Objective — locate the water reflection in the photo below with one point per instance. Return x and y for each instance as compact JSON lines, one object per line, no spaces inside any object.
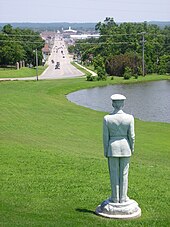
{"x":147,"y":101}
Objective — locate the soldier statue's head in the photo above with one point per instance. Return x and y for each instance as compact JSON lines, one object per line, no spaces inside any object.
{"x":118,"y":101}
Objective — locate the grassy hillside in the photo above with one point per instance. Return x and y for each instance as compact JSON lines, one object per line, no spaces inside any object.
{"x":23,"y":72}
{"x":53,"y":172}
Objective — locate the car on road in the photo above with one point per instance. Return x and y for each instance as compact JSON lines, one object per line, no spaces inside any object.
{"x":57,"y":66}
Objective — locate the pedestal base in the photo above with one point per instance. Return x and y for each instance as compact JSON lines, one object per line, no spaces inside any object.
{"x":126,"y":210}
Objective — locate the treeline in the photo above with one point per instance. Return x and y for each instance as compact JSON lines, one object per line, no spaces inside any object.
{"x":53,"y":26}
{"x":139,"y":48}
{"x":19,"y":45}
{"x":59,"y":25}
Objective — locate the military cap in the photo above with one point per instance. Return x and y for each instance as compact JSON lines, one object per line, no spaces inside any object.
{"x":117,"y":97}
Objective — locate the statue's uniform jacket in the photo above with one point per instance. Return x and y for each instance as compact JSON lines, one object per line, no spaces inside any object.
{"x":118,"y":134}
{"x":118,"y":140}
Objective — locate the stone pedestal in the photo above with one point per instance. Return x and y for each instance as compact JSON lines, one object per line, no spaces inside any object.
{"x":17,"y":66}
{"x":126,"y":210}
{"x":20,"y":63}
{"x":23,"y":63}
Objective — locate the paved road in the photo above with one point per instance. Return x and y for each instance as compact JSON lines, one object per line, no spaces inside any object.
{"x":59,"y":54}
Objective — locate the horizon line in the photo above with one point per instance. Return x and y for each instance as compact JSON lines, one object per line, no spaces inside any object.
{"x":52,"y":22}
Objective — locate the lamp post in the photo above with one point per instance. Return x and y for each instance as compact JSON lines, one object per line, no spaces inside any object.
{"x":36,"y":60}
{"x":36,"y":55}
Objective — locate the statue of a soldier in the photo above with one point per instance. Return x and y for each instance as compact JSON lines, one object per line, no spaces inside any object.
{"x":118,"y":141}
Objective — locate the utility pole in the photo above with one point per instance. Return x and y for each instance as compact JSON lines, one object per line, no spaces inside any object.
{"x":36,"y":56}
{"x":143,"y":53}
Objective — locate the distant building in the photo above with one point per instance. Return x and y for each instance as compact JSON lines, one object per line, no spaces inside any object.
{"x":84,"y":36}
{"x":45,"y":51}
{"x":68,"y":32}
{"x":47,"y":35}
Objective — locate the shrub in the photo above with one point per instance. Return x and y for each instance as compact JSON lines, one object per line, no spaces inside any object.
{"x":127,"y":74}
{"x":136,"y":76}
{"x":90,"y":78}
{"x":101,"y":73}
{"x":115,"y":65}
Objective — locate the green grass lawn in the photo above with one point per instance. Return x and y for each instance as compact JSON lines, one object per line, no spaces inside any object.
{"x":23,"y":72}
{"x":53,"y":172}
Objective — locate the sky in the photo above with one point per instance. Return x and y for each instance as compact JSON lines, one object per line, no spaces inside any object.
{"x":84,"y":10}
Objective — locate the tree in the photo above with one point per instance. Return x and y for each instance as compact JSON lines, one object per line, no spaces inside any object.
{"x":126,"y":39}
{"x":164,"y":64}
{"x":10,"y":54}
{"x":98,"y":61}
{"x":7,"y":29}
{"x":19,"y":44}
{"x":71,"y":49}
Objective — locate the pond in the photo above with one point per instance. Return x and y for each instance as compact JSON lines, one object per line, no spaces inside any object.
{"x":149,"y":101}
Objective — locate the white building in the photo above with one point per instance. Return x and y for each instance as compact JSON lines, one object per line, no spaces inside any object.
{"x":84,"y":36}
